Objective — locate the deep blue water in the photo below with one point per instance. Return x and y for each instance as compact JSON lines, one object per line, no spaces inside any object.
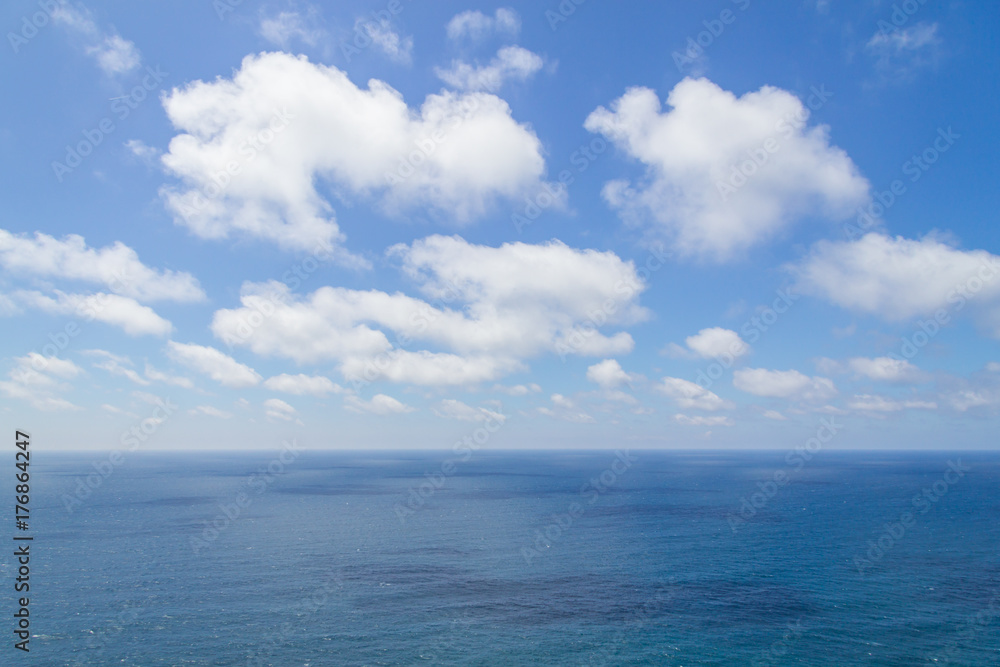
{"x":513,"y":561}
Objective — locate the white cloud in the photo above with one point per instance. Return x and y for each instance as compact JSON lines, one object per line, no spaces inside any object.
{"x":692,"y":152}
{"x":900,"y":52}
{"x":114,"y":54}
{"x":397,"y":49}
{"x":775,"y":415}
{"x":512,"y":63}
{"x":117,"y":365}
{"x":456,"y":154}
{"x":210,"y":411}
{"x":885,"y":369}
{"x":380,"y":404}
{"x":963,"y":400}
{"x":872,"y":403}
{"x":36,"y":380}
{"x":211,"y":362}
{"x":518,"y":389}
{"x":475,"y":26}
{"x":712,"y":343}
{"x":691,"y":396}
{"x":703,"y":421}
{"x":565,"y":409}
{"x":107,"y":407}
{"x":275,"y":408}
{"x":489,"y":308}
{"x":285,"y":27}
{"x":783,"y":384}
{"x":175,"y":380}
{"x":452,"y":409}
{"x":301,"y":385}
{"x":132,"y":317}
{"x":116,"y":266}
{"x":608,"y":374}
{"x":897,"y":278}
{"x":993,"y":367}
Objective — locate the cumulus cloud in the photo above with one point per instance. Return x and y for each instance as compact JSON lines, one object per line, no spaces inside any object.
{"x":712,"y":343}
{"x":885,"y":369}
{"x":300,"y":385}
{"x":116,"y":266}
{"x":453,"y":409}
{"x":691,"y":396}
{"x":474,"y":25}
{"x":512,"y":63}
{"x":287,"y":126}
{"x":486,"y":310}
{"x":211,"y":362}
{"x":380,"y":404}
{"x":114,"y":54}
{"x":608,"y":374}
{"x":696,"y":152}
{"x":783,"y":384}
{"x":132,"y":317}
{"x":897,"y":278}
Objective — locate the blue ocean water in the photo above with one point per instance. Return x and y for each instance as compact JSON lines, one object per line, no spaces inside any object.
{"x":542,"y":558}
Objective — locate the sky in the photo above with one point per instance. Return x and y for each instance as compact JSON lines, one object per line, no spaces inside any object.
{"x":535,"y":225}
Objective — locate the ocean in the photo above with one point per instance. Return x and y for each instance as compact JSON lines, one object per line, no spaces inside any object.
{"x":618,"y":557}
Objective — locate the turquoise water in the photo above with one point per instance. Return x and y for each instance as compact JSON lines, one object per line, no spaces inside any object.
{"x":515,"y":559}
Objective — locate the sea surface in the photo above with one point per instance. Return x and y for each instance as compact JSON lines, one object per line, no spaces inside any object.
{"x":503,"y":558}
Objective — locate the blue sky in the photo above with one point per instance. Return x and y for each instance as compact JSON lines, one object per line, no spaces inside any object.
{"x":401,"y":224}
